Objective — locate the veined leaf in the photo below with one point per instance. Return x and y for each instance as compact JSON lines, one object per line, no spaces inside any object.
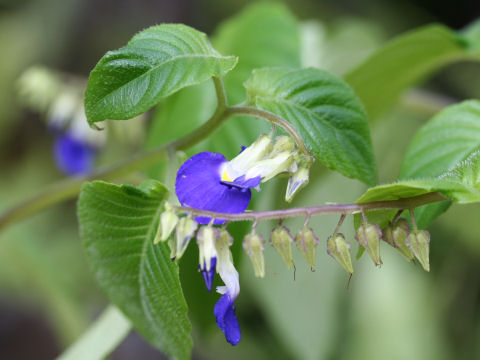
{"x":404,"y":61}
{"x":156,"y":63}
{"x":117,"y":226}
{"x":326,"y":113}
{"x":445,"y":140}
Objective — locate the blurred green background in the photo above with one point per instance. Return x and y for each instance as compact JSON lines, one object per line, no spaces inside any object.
{"x":47,"y":295}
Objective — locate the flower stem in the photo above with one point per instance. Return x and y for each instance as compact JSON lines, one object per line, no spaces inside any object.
{"x":274,"y":119}
{"x":344,"y":209}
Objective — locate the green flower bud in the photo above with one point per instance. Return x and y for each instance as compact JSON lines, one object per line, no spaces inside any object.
{"x":281,"y":240}
{"x":368,"y":236}
{"x":183,"y":234}
{"x":307,"y":242}
{"x":206,"y":239}
{"x":396,"y":235}
{"x":339,"y":249}
{"x":253,"y":246}
{"x":419,"y":242}
{"x":168,"y":221}
{"x":297,"y":180}
{"x":283,"y":143}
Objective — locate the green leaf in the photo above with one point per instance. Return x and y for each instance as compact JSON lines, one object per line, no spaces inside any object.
{"x":101,"y":338}
{"x":325,"y":112}
{"x":263,"y":34}
{"x":445,"y":140}
{"x":405,"y":61}
{"x":156,"y":63}
{"x":461,"y":184}
{"x":117,"y":226}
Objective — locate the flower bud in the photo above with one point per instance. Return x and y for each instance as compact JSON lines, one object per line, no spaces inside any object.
{"x":396,"y":235}
{"x":271,"y":167}
{"x":281,"y":240}
{"x":168,"y":221}
{"x":206,"y":240}
{"x":368,"y":236}
{"x":419,"y":242}
{"x":243,"y":161}
{"x":297,"y":180}
{"x":253,"y":246}
{"x":183,"y":233}
{"x":307,"y":242}
{"x":339,"y":249}
{"x":283,"y":143}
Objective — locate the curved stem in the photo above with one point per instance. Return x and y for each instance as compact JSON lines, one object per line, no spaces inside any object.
{"x":274,"y":119}
{"x":344,"y":209}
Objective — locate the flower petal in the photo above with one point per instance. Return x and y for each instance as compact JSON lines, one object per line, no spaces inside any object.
{"x":198,"y":185}
{"x":209,"y":275}
{"x":224,"y":311}
{"x":73,"y":157}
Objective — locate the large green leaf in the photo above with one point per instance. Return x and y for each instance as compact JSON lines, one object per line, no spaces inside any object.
{"x":461,"y":184}
{"x":155,"y":63}
{"x":117,"y":225}
{"x":326,"y":113}
{"x":404,"y":61}
{"x":448,"y":138}
{"x":264,"y":34}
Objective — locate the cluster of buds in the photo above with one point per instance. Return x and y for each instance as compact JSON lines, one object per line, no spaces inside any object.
{"x":411,"y":244}
{"x":267,"y":158}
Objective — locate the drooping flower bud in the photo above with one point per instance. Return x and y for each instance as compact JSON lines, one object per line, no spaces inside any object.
{"x":207,"y":238}
{"x":281,"y":240}
{"x":307,"y":242}
{"x":368,"y":236}
{"x":299,"y":177}
{"x":396,"y":235}
{"x":253,"y":245}
{"x":297,"y":180}
{"x":419,"y":242}
{"x":183,"y":234}
{"x":168,"y":221}
{"x":339,"y":249}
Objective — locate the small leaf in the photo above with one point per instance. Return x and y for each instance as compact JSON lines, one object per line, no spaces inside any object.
{"x":156,"y":63}
{"x":325,"y":112}
{"x":117,"y":226}
{"x":445,"y":140}
{"x":405,"y":61}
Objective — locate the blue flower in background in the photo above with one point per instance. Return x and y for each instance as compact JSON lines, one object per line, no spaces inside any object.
{"x":73,"y":157}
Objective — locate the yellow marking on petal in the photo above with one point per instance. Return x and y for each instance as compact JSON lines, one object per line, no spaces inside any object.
{"x":225,"y":176}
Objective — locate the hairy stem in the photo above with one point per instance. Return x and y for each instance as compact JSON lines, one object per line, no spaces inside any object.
{"x":344,"y":209}
{"x":274,"y":119}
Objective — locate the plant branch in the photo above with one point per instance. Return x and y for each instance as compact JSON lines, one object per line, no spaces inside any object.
{"x":69,"y":188}
{"x":344,"y":209}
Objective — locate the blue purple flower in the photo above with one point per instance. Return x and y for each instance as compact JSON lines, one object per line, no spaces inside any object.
{"x":73,"y":156}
